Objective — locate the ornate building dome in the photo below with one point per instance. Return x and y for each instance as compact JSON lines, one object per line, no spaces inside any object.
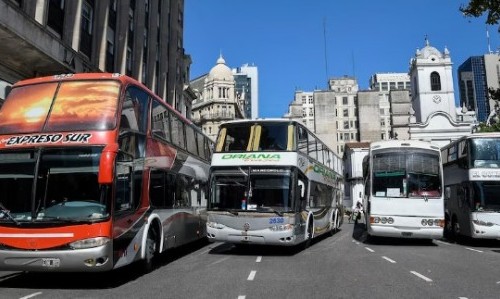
{"x":220,"y":71}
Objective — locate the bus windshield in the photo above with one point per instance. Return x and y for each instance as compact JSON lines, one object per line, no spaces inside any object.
{"x":260,"y":192}
{"x":66,"y":106}
{"x":406,"y":174}
{"x":485,"y":195}
{"x":485,"y":152}
{"x":265,"y":137}
{"x":66,"y":186}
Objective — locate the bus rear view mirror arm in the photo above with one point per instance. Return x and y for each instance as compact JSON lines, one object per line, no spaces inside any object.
{"x":107,"y":164}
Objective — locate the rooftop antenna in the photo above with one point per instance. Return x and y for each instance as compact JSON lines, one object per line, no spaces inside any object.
{"x":324,"y":40}
{"x":488,"y":39}
{"x":353,"y":65}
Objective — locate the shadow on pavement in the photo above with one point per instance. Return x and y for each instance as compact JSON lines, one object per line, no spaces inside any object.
{"x":89,"y":281}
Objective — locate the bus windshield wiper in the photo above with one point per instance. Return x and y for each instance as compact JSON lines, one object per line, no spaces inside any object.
{"x":232,"y":211}
{"x":273,"y":211}
{"x":7,"y":212}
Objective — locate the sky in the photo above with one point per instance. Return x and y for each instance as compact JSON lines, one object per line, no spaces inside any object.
{"x":300,"y":44}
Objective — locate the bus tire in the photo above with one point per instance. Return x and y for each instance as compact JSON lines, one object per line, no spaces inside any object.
{"x":309,"y":234}
{"x":151,"y":250}
{"x":335,"y":223}
{"x":455,"y":227}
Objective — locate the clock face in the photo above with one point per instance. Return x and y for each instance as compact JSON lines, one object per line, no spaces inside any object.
{"x":436,"y":99}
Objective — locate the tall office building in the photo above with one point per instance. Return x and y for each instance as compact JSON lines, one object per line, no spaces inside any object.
{"x":139,"y":38}
{"x":476,"y":75}
{"x":247,"y":88}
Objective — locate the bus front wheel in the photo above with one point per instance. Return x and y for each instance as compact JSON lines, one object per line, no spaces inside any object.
{"x":150,"y":250}
{"x":309,"y":235}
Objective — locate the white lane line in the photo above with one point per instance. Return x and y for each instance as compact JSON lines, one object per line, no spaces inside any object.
{"x":252,"y":275}
{"x":31,"y":295}
{"x":259,"y":259}
{"x":421,"y":276}
{"x":242,"y":297}
{"x":369,"y":249}
{"x":472,"y":249}
{"x":218,"y":261}
{"x":389,"y":260}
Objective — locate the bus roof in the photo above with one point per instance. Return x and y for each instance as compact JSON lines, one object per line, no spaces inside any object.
{"x":403,"y":143}
{"x":124,"y":79}
{"x":259,"y":120}
{"x":78,"y":76}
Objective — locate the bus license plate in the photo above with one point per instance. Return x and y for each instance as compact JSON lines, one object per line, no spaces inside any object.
{"x":406,"y":234}
{"x":51,"y":262}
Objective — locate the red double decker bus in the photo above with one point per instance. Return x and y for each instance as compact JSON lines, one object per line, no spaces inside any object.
{"x":96,"y":172}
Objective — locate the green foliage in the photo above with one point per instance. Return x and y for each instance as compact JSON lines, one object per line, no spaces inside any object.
{"x":483,"y":128}
{"x":477,"y":8}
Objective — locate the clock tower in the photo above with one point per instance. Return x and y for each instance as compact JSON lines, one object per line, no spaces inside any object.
{"x":432,"y":83}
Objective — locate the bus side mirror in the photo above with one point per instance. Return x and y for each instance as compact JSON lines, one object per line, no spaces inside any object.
{"x":107,"y":164}
{"x":302,"y":189}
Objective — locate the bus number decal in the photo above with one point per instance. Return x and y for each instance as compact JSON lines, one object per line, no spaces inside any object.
{"x":276,"y":220}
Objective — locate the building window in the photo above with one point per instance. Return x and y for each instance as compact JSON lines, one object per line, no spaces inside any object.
{"x":86,"y":28}
{"x":345,"y":100}
{"x":346,"y":112}
{"x":384,"y":86}
{"x":55,"y":19}
{"x":346,"y":124}
{"x":435,"y":81}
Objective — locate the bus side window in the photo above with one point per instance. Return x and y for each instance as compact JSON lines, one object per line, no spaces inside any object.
{"x":123,"y":185}
{"x":128,"y":183}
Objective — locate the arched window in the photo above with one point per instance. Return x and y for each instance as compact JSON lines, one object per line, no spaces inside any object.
{"x":435,"y":81}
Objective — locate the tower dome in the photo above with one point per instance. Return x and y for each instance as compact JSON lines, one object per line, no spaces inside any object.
{"x":220,"y":71}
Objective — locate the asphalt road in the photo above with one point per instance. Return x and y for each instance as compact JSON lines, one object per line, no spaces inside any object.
{"x":340,"y":266}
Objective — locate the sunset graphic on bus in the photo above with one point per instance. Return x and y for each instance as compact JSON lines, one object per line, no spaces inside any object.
{"x":76,"y":106}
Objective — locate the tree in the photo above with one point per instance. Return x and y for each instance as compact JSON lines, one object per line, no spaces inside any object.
{"x":477,"y":8}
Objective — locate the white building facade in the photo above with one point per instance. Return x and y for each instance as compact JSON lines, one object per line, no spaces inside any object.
{"x":435,"y":117}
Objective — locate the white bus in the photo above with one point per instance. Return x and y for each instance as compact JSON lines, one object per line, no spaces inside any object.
{"x":471,"y":167}
{"x":403,"y":190}
{"x":273,"y":182}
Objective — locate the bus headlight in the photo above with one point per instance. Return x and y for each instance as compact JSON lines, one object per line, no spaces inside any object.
{"x":215,"y":225}
{"x":383,"y":220}
{"x":433,"y":222}
{"x":482,"y":223}
{"x":89,"y":243}
{"x":282,"y":227}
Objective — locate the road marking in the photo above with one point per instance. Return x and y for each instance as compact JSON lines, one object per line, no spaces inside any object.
{"x":218,"y":261}
{"x":389,"y":260}
{"x":369,"y":249}
{"x":421,"y":276}
{"x":472,"y":249}
{"x":259,"y":258}
{"x":31,"y":295}
{"x":252,"y":275}
{"x":241,"y":297}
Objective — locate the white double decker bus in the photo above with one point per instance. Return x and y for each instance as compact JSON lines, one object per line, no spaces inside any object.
{"x":273,"y":182}
{"x":403,"y":190}
{"x":471,"y":167}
